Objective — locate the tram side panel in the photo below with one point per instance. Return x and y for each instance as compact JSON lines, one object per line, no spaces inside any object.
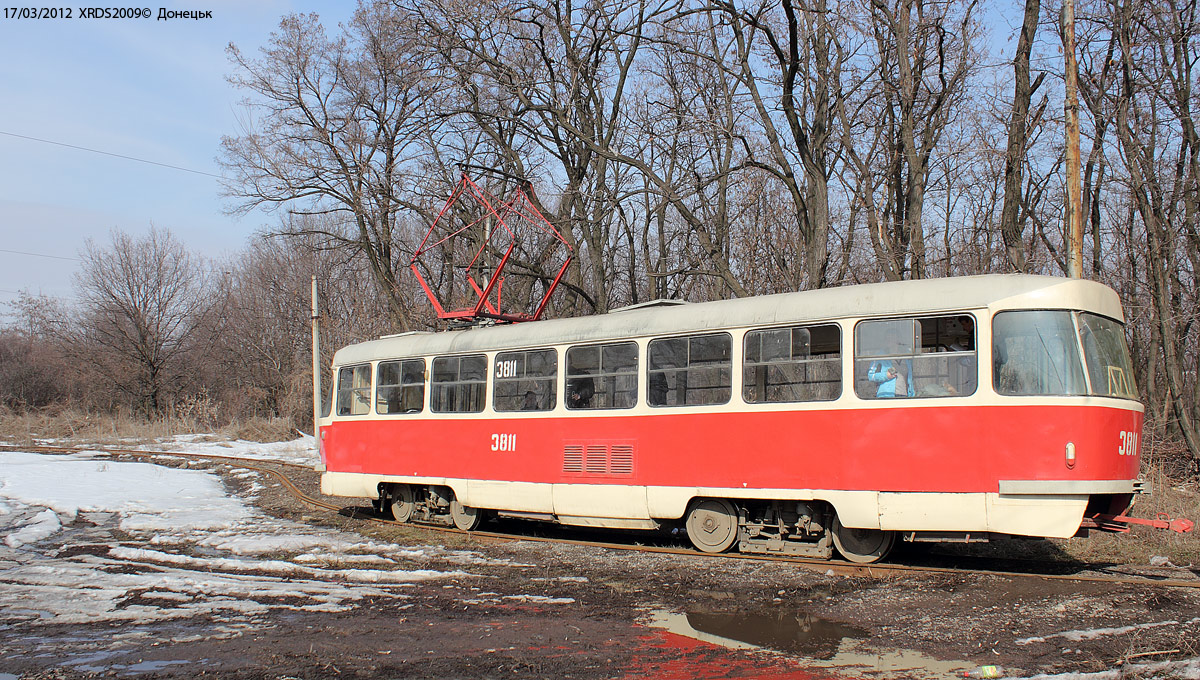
{"x":929,"y":468}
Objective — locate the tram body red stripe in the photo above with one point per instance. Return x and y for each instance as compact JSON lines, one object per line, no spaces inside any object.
{"x":929,"y":449}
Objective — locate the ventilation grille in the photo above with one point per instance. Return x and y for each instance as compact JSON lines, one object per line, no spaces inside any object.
{"x":620,"y":459}
{"x":573,"y":459}
{"x":599,"y":459}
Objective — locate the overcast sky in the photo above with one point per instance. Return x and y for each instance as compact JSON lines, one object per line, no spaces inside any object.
{"x":144,"y":88}
{"x":148,"y":89}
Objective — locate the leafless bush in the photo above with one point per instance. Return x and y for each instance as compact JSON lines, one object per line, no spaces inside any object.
{"x":31,"y":374}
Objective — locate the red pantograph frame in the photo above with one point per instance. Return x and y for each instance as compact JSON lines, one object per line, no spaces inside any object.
{"x":484,"y":307}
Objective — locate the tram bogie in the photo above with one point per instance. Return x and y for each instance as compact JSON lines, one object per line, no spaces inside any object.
{"x":809,"y":423}
{"x":786,"y":528}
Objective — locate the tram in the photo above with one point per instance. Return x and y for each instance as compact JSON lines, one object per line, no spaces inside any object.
{"x":842,"y":419}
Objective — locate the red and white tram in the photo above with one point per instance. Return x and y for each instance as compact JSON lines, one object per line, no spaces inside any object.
{"x":792,"y":423}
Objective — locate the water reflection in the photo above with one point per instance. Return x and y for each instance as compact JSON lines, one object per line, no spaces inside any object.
{"x":816,"y":642}
{"x":801,"y":634}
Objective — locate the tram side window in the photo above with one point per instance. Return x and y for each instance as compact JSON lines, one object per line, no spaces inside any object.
{"x":602,"y":376}
{"x":929,"y":357}
{"x":401,"y":386}
{"x":793,"y":364}
{"x":1036,"y":353}
{"x":354,"y":390}
{"x":690,"y":371}
{"x":526,"y":381}
{"x":459,"y":384}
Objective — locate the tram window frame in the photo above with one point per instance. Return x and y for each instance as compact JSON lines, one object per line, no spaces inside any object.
{"x":407,"y":395}
{"x":354,"y":397}
{"x":458,"y":395}
{"x":543,"y":387}
{"x":592,"y":386}
{"x":939,"y":352}
{"x":665,"y":381}
{"x":760,"y":363}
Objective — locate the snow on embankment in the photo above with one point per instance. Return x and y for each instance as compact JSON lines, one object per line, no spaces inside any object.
{"x":301,"y":451}
{"x":147,"y":497}
{"x":164,"y":543}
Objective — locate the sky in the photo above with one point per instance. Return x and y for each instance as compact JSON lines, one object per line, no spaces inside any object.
{"x":148,"y":89}
{"x":144,"y":88}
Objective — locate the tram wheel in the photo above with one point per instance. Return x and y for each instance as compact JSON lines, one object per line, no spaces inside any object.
{"x":862,"y":546}
{"x":465,"y":518}
{"x":403,"y":504}
{"x":712,"y":525}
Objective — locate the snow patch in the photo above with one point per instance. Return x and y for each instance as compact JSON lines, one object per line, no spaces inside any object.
{"x":1077,"y":635}
{"x":43,"y":525}
{"x":148,"y":497}
{"x":1188,"y":669}
{"x":539,"y":599}
{"x":191,"y":549}
{"x":283,"y":567}
{"x":301,"y":451}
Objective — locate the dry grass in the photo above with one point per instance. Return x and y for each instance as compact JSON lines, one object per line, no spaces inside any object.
{"x":89,"y":428}
{"x":1177,"y":498}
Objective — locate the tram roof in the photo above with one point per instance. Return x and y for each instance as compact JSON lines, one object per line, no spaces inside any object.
{"x":926,"y":296}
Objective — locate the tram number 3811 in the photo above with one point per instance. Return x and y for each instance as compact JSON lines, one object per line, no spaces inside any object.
{"x":1128,"y":446}
{"x":504,"y":442}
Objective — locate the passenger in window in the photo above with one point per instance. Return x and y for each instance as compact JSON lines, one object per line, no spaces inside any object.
{"x":893,"y":376}
{"x":580,"y":392}
{"x":531,"y":402}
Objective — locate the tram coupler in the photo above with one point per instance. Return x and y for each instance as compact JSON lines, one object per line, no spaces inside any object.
{"x":1119,"y":523}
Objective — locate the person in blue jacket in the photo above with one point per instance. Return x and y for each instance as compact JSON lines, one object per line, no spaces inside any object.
{"x":894,"y":377}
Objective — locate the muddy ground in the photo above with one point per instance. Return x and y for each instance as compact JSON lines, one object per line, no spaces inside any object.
{"x":548,"y":610}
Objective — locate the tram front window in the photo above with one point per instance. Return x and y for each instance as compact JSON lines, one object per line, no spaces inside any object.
{"x":1106,"y":357}
{"x":1036,"y":353}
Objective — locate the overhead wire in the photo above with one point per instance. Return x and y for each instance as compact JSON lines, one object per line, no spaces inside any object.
{"x":109,"y":153}
{"x":22,"y":252}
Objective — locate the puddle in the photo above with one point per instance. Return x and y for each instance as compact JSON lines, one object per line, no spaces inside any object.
{"x":810,"y":641}
{"x":791,"y":633}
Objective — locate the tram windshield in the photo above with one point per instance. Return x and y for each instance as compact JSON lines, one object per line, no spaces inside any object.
{"x":1046,"y":352}
{"x":1106,"y":357}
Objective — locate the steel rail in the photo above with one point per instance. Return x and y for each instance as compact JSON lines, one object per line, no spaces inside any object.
{"x":839,"y":567}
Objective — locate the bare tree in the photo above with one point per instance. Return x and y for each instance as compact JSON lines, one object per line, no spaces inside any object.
{"x":1011,"y":215}
{"x":550,"y":81}
{"x":1159,"y":44}
{"x":923,"y":57}
{"x":804,"y":81}
{"x":340,"y":125}
{"x":142,"y":301}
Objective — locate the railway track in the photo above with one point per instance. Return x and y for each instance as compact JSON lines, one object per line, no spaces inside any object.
{"x":840,"y":567}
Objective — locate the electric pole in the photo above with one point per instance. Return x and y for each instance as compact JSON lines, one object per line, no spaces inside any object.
{"x":316,"y":359}
{"x":1074,"y":207}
